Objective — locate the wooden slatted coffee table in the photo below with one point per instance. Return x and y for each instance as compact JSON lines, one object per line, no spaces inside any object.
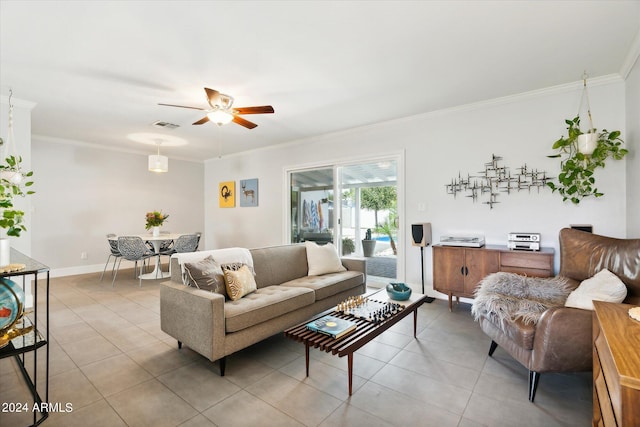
{"x":364,"y":333}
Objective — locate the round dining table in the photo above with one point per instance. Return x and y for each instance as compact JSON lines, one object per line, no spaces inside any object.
{"x":155,"y":241}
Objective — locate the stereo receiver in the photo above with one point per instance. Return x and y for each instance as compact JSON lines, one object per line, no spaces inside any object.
{"x":524,"y":237}
{"x":523,"y":246}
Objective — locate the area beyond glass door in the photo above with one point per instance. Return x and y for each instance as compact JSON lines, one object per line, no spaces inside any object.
{"x":312,"y":216}
{"x":354,"y":206}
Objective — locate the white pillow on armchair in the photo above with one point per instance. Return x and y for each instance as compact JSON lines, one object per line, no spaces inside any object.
{"x":603,"y":286}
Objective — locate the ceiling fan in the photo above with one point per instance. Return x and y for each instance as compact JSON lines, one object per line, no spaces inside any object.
{"x":222,"y":112}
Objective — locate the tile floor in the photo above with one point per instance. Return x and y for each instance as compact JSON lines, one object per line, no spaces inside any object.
{"x":112,"y":363}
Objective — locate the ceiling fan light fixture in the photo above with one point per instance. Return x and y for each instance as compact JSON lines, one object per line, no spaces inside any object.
{"x":157,"y":162}
{"x":220,"y":117}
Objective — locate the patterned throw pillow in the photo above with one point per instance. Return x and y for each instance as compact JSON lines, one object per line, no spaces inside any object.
{"x":206,"y":274}
{"x":239,"y":282}
{"x":232,"y":266}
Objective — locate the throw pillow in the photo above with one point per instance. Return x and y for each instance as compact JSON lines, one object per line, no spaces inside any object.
{"x":239,"y":282}
{"x":604,"y":286}
{"x":235,"y":266}
{"x":206,"y":274}
{"x":322,"y":259}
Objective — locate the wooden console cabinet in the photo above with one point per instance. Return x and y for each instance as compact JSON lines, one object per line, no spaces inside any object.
{"x":616,"y":366}
{"x":458,"y":270}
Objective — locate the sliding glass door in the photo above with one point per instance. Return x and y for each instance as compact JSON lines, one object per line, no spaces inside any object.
{"x":355,"y":206}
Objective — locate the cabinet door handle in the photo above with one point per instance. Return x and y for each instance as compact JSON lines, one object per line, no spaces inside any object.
{"x":462,"y":270}
{"x":466,"y":271}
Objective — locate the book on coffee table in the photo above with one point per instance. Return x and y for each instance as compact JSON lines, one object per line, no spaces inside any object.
{"x":332,"y":326}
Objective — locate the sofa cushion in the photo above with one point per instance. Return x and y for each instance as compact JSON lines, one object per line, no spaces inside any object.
{"x":239,"y":282}
{"x":322,"y":259}
{"x":328,"y":284}
{"x":206,"y":274}
{"x":278,"y":264}
{"x":265,"y":304}
{"x":603,"y":286}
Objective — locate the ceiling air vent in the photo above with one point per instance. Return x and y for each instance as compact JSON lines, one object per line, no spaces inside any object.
{"x":165,"y":125}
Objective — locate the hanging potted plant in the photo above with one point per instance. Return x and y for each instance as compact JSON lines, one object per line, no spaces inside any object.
{"x":13,"y":183}
{"x":582,"y":153}
{"x":576,"y":179}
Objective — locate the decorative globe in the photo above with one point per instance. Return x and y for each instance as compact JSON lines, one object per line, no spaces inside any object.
{"x":11,"y":306}
{"x":398,"y":291}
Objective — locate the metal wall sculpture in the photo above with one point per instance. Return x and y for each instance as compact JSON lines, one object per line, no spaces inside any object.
{"x":496,"y":179}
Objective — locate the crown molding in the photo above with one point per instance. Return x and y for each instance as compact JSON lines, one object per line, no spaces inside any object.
{"x":54,"y":140}
{"x":566,"y":87}
{"x":631,"y":58}
{"x":17,"y":102}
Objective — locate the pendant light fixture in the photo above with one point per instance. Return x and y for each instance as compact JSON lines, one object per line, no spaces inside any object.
{"x":157,"y":162}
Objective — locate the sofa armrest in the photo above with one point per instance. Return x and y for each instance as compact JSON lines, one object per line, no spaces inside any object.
{"x":355,"y":264}
{"x":563,"y":341}
{"x":194,"y":317}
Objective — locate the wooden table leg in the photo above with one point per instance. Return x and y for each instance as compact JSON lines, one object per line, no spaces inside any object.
{"x":350,"y":368}
{"x":306,"y":356}
{"x":415,"y":322}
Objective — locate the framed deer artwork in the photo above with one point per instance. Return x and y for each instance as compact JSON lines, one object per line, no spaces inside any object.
{"x":249,"y":192}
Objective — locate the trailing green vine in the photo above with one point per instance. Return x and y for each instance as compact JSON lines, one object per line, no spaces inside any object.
{"x":576,"y":179}
{"x":11,"y":186}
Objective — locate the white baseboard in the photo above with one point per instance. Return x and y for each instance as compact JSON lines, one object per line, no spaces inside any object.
{"x":86,"y":269}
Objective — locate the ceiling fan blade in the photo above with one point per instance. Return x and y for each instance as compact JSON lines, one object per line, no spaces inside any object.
{"x":243,"y":122}
{"x":183,"y":106}
{"x":202,"y":121}
{"x":264,"y":109}
{"x":213,"y":96}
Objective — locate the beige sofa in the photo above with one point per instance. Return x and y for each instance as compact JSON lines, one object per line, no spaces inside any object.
{"x":286,"y":296}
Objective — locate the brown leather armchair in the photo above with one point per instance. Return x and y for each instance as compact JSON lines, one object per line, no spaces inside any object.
{"x":561,"y":341}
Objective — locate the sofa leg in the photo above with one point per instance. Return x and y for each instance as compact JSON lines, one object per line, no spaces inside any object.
{"x":493,"y":347}
{"x":223,"y":365}
{"x":534,"y":377}
{"x":179,"y":345}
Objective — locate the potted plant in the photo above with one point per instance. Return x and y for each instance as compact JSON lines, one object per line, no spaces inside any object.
{"x":348,"y":247}
{"x":13,"y":183}
{"x":582,"y":153}
{"x":389,"y":227}
{"x":368,"y":244}
{"x":155,"y":220}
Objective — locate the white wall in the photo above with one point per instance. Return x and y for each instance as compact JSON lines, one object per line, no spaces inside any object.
{"x":632,"y":141}
{"x":437,"y":147}
{"x":83,"y":193}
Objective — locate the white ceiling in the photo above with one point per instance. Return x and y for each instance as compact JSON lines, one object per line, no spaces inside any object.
{"x":98,"y":69}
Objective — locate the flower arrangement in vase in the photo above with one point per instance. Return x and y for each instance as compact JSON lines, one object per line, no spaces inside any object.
{"x":155,"y":220}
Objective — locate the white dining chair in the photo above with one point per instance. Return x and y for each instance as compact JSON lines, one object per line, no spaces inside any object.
{"x":132,"y":248}
{"x":115,"y":253}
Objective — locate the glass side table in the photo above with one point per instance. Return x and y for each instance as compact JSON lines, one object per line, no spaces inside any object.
{"x":37,"y":338}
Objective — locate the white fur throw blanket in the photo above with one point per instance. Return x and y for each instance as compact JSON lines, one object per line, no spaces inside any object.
{"x":507,"y":297}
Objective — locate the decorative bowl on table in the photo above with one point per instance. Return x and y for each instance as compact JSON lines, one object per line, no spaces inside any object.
{"x":398,"y":291}
{"x":11,"y":308}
